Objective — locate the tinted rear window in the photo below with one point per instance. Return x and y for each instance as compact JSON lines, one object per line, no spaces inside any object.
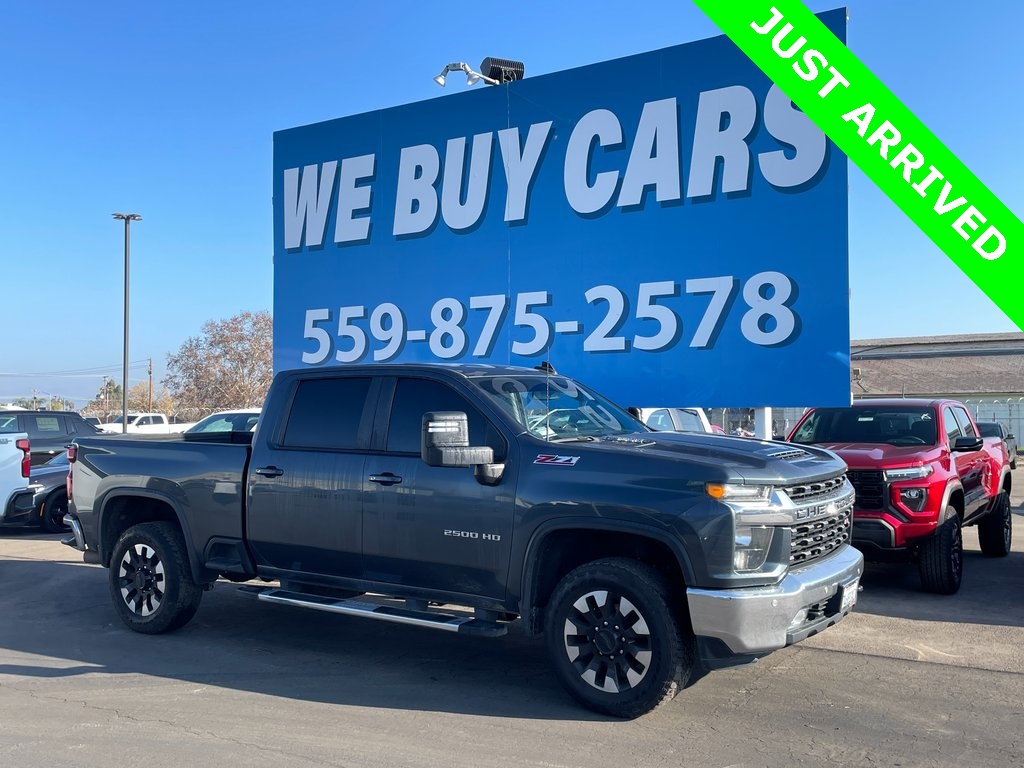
{"x":45,"y":426}
{"x":326,"y":413}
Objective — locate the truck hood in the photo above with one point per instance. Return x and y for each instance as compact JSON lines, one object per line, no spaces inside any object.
{"x":881,"y":455}
{"x":736,"y":459}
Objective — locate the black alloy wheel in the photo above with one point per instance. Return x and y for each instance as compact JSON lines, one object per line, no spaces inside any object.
{"x":995,"y":531}
{"x":614,"y":637}
{"x":150,"y":580}
{"x":54,"y":510}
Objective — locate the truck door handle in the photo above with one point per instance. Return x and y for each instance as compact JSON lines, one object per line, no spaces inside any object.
{"x":269,"y":471}
{"x":386,"y":479}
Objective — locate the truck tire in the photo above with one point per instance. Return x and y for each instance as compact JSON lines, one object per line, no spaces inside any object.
{"x":150,"y":580}
{"x":54,"y":510}
{"x":995,"y":531}
{"x":614,"y":639}
{"x":941,"y":562}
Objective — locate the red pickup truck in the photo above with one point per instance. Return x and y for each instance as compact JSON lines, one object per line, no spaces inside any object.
{"x":921,"y":472}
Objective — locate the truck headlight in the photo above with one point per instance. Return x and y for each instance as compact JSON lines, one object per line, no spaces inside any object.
{"x":750,"y":547}
{"x":738,"y":492}
{"x":907,"y":473}
{"x":914,"y":499}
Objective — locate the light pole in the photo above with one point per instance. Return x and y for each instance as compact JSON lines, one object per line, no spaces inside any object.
{"x":127,"y":218}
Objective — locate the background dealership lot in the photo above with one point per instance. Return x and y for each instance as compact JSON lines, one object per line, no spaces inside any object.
{"x":908,"y":679}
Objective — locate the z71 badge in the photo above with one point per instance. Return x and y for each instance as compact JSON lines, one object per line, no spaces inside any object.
{"x":558,"y":461}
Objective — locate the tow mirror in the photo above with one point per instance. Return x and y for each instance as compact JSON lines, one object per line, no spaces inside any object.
{"x":445,"y":441}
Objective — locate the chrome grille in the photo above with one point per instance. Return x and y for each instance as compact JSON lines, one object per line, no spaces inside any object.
{"x":870,"y":488}
{"x":814,"y":539}
{"x":811,"y":491}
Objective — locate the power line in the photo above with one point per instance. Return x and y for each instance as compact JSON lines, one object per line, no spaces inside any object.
{"x":81,"y":372}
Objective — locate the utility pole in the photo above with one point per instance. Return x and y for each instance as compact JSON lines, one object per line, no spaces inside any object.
{"x":127,"y":218}
{"x":151,"y":384}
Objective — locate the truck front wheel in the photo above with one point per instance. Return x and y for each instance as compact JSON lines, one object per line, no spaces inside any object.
{"x":150,"y":580}
{"x":614,"y":638}
{"x":941,"y":563}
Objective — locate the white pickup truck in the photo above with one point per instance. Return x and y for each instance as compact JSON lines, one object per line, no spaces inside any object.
{"x":145,"y":424}
{"x":688,"y":419}
{"x":16,"y":504}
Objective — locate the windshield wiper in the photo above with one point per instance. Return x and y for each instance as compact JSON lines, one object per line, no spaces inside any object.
{"x":574,"y":439}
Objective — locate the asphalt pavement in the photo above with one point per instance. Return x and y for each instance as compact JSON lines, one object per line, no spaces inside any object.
{"x":909,"y":679}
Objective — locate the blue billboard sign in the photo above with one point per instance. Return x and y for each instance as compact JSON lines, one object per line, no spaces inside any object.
{"x":667,"y":227}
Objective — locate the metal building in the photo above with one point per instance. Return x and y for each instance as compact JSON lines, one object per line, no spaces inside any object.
{"x":985,"y":371}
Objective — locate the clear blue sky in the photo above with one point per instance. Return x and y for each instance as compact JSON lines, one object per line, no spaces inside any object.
{"x":168,"y":110}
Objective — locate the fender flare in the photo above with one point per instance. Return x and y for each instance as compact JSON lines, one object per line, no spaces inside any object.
{"x":106,"y":549}
{"x":530,"y":559}
{"x":952,"y":486}
{"x":1002,"y":478}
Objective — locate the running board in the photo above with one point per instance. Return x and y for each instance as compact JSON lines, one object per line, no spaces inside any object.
{"x":359,"y":606}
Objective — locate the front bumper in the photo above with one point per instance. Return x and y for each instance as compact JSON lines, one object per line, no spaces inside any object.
{"x":756,"y":620}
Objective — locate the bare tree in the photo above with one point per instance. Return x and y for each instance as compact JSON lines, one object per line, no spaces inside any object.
{"x":228,"y":366}
{"x":138,"y":399}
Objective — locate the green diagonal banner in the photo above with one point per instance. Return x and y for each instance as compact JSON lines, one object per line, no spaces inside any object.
{"x":884,"y":139}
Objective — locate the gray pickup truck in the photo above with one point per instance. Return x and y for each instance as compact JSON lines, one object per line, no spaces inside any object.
{"x":467,"y":498}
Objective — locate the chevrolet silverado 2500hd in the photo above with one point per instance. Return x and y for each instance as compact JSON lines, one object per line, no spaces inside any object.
{"x":634,"y":552}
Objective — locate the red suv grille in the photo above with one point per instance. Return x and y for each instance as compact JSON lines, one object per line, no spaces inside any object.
{"x":869,"y":487}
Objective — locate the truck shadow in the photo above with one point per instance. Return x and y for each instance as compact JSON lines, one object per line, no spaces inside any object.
{"x":989,"y":594}
{"x":61,"y":613}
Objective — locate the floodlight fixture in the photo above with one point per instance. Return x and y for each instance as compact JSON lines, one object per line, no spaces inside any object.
{"x":472,"y":77}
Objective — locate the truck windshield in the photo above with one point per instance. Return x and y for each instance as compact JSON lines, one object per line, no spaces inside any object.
{"x":557,"y":408}
{"x":895,"y":425}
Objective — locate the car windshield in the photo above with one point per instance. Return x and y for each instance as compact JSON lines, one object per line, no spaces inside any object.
{"x":895,"y":425}
{"x":226,"y":422}
{"x":60,"y":460}
{"x":132,"y":418}
{"x":557,"y":408}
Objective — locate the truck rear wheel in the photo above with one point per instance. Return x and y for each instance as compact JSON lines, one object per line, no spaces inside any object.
{"x":941,"y":562}
{"x":150,"y":580}
{"x":614,"y":638}
{"x":995,"y":531}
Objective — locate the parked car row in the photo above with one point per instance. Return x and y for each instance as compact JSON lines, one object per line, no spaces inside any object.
{"x":34,"y":464}
{"x":922,"y":470}
{"x":48,"y":431}
{"x":144,"y":424}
